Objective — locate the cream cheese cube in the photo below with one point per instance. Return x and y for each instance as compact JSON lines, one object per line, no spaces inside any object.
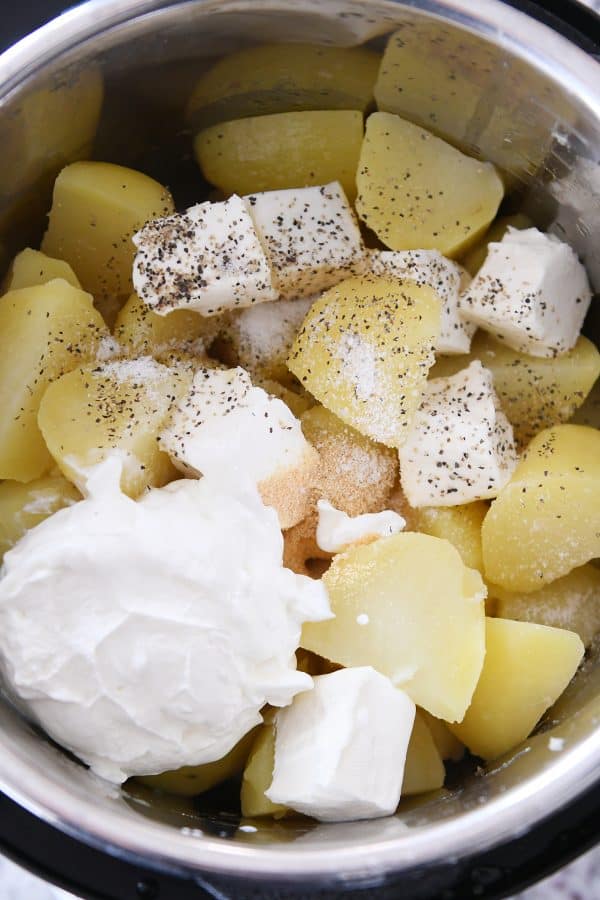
{"x":531,"y":292}
{"x":446,"y":278}
{"x":208,"y":259}
{"x":311,"y":237}
{"x":460,"y":446}
{"x":227,"y":428}
{"x":336,"y":530}
{"x":340,"y":748}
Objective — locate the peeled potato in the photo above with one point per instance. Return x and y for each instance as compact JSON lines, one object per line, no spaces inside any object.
{"x":423,"y":769}
{"x":364,"y":351}
{"x":526,"y":668}
{"x":52,"y":126}
{"x":22,"y":506}
{"x":142,"y":332}
{"x":475,"y":257}
{"x":191,"y":780}
{"x":415,"y":191}
{"x":117,"y":407}
{"x":356,"y":474}
{"x":275,"y":78}
{"x":286,"y":150}
{"x":96,"y":208}
{"x":258,"y":776}
{"x":534,"y":393}
{"x":571,"y":602}
{"x":461,"y":525}
{"x":32,"y":267}
{"x":448,"y":746}
{"x":45,"y":331}
{"x":426,"y":619}
{"x":589,"y":412}
{"x":546,"y":521}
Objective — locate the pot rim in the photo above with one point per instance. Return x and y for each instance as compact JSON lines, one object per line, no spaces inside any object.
{"x":573,"y":772}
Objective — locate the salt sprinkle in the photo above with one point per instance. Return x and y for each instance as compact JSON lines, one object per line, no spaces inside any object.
{"x":362,"y":619}
{"x":556,"y":744}
{"x":248,"y":829}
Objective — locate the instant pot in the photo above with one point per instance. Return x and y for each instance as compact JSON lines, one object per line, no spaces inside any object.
{"x":523,"y":89}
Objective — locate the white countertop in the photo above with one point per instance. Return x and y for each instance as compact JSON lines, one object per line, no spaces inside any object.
{"x":579,"y":881}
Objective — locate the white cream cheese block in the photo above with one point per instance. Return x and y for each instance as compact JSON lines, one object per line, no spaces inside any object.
{"x":340,"y":749}
{"x":460,"y":446}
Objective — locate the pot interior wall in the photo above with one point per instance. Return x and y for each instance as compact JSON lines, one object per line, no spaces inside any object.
{"x":470,"y":90}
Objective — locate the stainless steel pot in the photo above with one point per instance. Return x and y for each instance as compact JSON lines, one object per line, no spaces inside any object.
{"x":499,"y":82}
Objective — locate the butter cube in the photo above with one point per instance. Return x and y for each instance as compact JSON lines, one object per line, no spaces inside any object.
{"x":340,"y":748}
{"x":311,"y":237}
{"x":208,"y":258}
{"x":531,"y":292}
{"x":460,"y":447}
{"x":225,"y":427}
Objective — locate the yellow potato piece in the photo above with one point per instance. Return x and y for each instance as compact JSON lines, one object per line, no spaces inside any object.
{"x":423,"y":769}
{"x":96,"y":208}
{"x":426,"y":619}
{"x":274,"y":78}
{"x":191,"y":780}
{"x":461,"y":525}
{"x":526,"y":668}
{"x":141,"y":332}
{"x":589,"y":412}
{"x":571,"y":602}
{"x":415,"y":191}
{"x":32,"y":267}
{"x":546,"y":521}
{"x":118,"y":407}
{"x":286,"y":150}
{"x":356,"y":474}
{"x":22,"y":506}
{"x":448,"y":746}
{"x":45,"y":331}
{"x":364,"y":352}
{"x":53,"y":125}
{"x":475,"y":257}
{"x":534,"y":393}
{"x":258,"y":776}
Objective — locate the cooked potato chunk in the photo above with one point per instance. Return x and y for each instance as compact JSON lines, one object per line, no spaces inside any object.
{"x":191,"y":780}
{"x":142,"y":332}
{"x":275,"y":78}
{"x":432,"y":649}
{"x":417,"y":192}
{"x":534,"y":393}
{"x":286,"y":150}
{"x":589,"y":412}
{"x":32,"y":267}
{"x":53,"y":125}
{"x":546,"y":521}
{"x":355,"y":474}
{"x":96,"y":208}
{"x":118,"y":407}
{"x":526,"y":668}
{"x":423,"y":769}
{"x":449,"y":747}
{"x":45,"y":331}
{"x":364,"y":351}
{"x":461,"y":525}
{"x":571,"y":602}
{"x":258,"y":776}
{"x":475,"y":257}
{"x":24,"y":505}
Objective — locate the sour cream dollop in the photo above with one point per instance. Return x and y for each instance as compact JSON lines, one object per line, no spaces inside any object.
{"x":144,"y":636}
